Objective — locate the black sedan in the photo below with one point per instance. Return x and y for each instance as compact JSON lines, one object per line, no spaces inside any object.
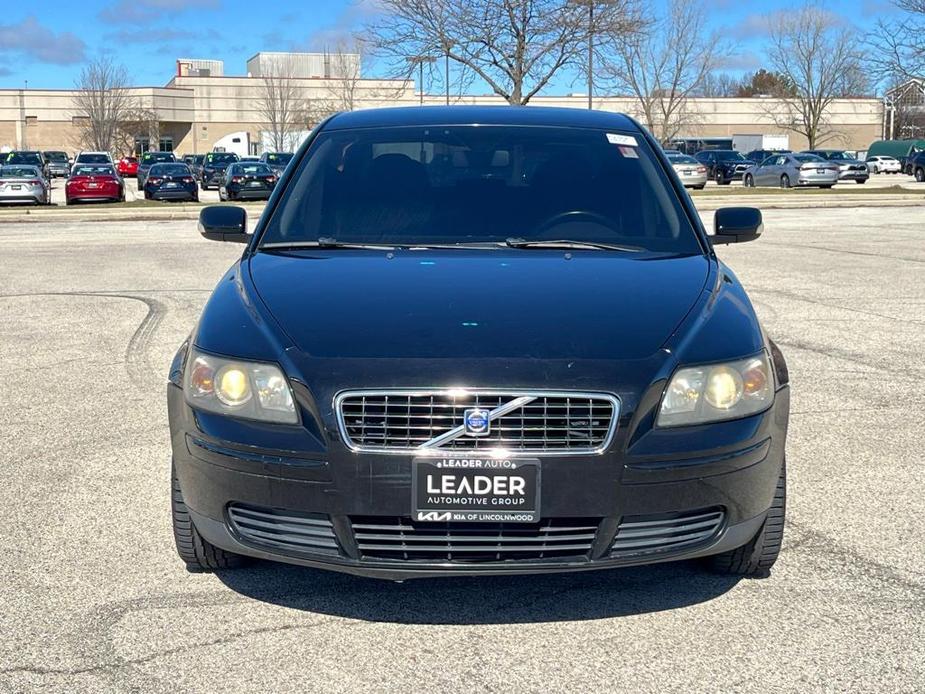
{"x":723,"y":165}
{"x":172,"y":181}
{"x":248,"y":181}
{"x":448,"y":348}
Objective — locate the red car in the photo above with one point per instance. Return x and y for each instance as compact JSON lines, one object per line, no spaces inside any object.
{"x":127,"y":166}
{"x":94,"y":182}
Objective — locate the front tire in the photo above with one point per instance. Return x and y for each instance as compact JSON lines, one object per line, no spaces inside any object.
{"x":785,"y":181}
{"x":749,"y":181}
{"x":860,"y":181}
{"x":920,"y":175}
{"x":197,"y":552}
{"x":758,"y":556}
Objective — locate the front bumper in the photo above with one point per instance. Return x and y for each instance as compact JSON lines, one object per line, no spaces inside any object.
{"x":216,"y":474}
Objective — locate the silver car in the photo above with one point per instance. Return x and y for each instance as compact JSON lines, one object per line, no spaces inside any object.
{"x":692,"y":173}
{"x":22,"y":183}
{"x":788,"y":170}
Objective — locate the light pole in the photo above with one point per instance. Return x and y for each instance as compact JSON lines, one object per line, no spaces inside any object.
{"x":418,"y":61}
{"x":590,"y":55}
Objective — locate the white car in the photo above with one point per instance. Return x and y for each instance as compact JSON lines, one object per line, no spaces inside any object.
{"x":884,"y":165}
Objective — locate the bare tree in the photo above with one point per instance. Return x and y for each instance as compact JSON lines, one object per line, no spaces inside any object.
{"x":897,"y":46}
{"x":102,"y":104}
{"x":664,"y":66}
{"x":719,"y":84}
{"x":281,"y":105}
{"x":515,"y":46}
{"x":816,"y":55}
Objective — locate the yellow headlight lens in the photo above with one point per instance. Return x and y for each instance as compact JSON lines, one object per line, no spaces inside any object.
{"x":724,"y":388}
{"x":232,"y":386}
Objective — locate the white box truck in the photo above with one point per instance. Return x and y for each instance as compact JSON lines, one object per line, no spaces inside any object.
{"x":749,"y":143}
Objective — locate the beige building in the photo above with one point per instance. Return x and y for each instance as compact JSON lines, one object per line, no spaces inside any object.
{"x":200,"y":106}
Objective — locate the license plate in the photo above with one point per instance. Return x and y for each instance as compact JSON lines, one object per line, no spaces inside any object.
{"x":172,"y":185}
{"x":687,"y":172}
{"x":475,"y":489}
{"x":255,"y":184}
{"x":93,"y":185}
{"x":820,"y":171}
{"x":15,"y":187}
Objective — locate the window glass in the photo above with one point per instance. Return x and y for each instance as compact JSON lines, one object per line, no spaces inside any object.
{"x":465,"y":184}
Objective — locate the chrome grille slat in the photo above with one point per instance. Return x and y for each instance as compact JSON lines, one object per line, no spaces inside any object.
{"x":393,"y":538}
{"x":536,"y":422}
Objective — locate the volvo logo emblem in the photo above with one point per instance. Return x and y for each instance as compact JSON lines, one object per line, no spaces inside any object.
{"x":476,"y":422}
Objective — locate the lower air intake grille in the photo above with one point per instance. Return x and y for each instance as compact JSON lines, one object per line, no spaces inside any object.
{"x":401,"y":538}
{"x":644,"y":534}
{"x":310,"y":532}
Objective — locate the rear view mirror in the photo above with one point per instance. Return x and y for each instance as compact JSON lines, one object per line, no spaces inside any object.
{"x":224,"y":223}
{"x":736,"y":225}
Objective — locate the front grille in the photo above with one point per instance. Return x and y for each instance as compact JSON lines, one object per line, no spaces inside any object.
{"x":310,"y":532}
{"x":400,"y":538}
{"x":645,"y":534}
{"x":534,"y":422}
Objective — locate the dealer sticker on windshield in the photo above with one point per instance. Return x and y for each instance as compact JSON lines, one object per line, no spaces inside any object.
{"x":625,"y":140}
{"x":476,"y":490}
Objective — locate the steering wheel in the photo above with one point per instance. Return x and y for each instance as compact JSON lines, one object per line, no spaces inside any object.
{"x":573,"y":216}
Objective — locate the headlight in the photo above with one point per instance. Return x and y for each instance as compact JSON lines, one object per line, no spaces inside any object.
{"x":238,"y":388}
{"x":712,"y":393}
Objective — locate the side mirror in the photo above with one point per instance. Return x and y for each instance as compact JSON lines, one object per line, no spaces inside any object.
{"x":736,"y":225}
{"x":224,"y":223}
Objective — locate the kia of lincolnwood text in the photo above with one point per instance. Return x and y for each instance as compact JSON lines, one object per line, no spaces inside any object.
{"x":478,"y":341}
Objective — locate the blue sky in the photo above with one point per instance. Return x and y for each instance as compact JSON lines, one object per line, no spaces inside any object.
{"x":46,"y":42}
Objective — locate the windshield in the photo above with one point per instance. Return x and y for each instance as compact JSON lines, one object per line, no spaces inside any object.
{"x":93,"y":158}
{"x":152,"y":157}
{"x":807,"y":157}
{"x":252,"y":169}
{"x":729,"y":155}
{"x":18,"y":171}
{"x":170,"y":170}
{"x":838,"y":155}
{"x":279,"y":159}
{"x":486,"y":184}
{"x":24,"y":158}
{"x":681,"y":159}
{"x":92,"y":170}
{"x":221,"y":157}
{"x":56,"y":156}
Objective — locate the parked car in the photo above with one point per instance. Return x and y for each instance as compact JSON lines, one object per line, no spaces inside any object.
{"x":692,"y":173}
{"x":917,"y":166}
{"x":94,"y":182}
{"x":213,"y":168}
{"x":849,"y":168}
{"x":57,"y":163}
{"x":29,"y":158}
{"x":23,"y":183}
{"x":342,"y":403}
{"x":278,"y":161}
{"x":93,"y":158}
{"x":149,"y":159}
{"x":127,"y":166}
{"x":247,"y":181}
{"x":171,"y":181}
{"x":194,"y":162}
{"x":723,"y":165}
{"x":788,"y":170}
{"x":759,"y":155}
{"x":883,"y":164}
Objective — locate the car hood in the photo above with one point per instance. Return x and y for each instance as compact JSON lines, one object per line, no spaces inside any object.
{"x":526,"y":304}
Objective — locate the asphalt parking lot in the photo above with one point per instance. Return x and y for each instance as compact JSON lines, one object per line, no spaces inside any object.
{"x":95,"y":599}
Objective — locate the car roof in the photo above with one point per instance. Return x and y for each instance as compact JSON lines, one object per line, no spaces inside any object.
{"x":481,"y":115}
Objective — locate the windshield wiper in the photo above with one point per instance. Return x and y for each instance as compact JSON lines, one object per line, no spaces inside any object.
{"x":567,"y":243}
{"x":324,"y":242}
